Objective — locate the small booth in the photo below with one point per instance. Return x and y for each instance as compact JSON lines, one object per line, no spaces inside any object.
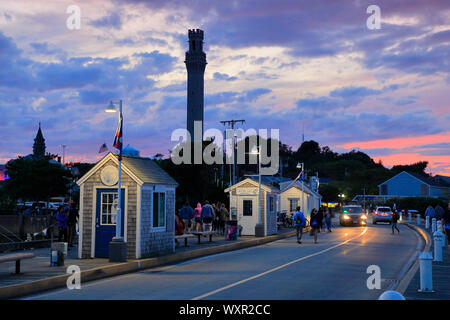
{"x":292,"y":196}
{"x":148,"y":202}
{"x":244,"y":201}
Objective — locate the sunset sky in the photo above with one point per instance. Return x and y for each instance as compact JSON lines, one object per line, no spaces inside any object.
{"x":279,"y":64}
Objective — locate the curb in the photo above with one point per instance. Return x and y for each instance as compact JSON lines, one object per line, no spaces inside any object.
{"x":33,"y":287}
{"x":412,"y":265}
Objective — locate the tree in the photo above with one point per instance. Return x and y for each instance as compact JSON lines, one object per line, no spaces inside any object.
{"x":418,"y":167}
{"x":36,"y":179}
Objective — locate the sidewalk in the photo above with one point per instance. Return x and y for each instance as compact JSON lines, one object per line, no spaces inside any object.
{"x":441,"y":277}
{"x":35,"y":271}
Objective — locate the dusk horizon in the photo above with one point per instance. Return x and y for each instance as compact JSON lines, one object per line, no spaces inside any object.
{"x":294,"y":66}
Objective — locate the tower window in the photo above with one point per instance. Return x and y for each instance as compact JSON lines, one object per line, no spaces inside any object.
{"x":193,"y":45}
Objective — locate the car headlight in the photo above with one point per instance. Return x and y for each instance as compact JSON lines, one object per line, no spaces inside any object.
{"x":346,"y":217}
{"x":363,"y":216}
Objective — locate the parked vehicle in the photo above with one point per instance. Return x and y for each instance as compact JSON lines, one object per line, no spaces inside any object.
{"x":382,"y":214}
{"x":352,"y":214}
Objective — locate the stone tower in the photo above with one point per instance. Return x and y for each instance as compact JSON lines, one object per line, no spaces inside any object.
{"x":195,"y":65}
{"x":39,"y":144}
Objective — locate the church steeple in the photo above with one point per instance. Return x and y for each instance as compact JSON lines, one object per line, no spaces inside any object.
{"x":39,"y":144}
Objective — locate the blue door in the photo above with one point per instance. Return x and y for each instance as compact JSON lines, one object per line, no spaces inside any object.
{"x":105,"y":226}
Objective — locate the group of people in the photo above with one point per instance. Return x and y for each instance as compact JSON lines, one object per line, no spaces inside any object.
{"x":209,"y":217}
{"x":440,"y":214}
{"x":317,"y":217}
{"x":67,"y":217}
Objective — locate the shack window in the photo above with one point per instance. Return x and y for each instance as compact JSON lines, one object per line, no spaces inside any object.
{"x":159,"y":209}
{"x":248,"y":207}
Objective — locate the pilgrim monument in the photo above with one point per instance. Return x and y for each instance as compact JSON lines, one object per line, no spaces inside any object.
{"x":195,"y":65}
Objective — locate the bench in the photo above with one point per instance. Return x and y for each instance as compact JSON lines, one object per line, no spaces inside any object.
{"x":185,"y":236}
{"x":205,"y":234}
{"x":16,"y":257}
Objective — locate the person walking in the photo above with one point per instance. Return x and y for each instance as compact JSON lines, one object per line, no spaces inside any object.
{"x":446,"y":223}
{"x":71,"y":223}
{"x":321,"y":213}
{"x":62,"y":218}
{"x":299,"y":222}
{"x":430,"y":212}
{"x":316,"y":220}
{"x":224,"y":218}
{"x":186,"y":215}
{"x":395,"y":218}
{"x":328,"y":219}
{"x":439,"y":212}
{"x":197,"y":216}
{"x":207,"y":216}
{"x":216,"y":210}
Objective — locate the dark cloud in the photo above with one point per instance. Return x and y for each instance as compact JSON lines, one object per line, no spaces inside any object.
{"x":113,"y":20}
{"x":223,"y":76}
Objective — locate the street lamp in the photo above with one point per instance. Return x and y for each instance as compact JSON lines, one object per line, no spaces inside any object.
{"x":342,"y":196}
{"x":117,"y":249}
{"x":259,"y":228}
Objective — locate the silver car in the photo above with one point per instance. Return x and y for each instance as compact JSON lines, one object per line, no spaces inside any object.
{"x":382,"y":214}
{"x":352,"y":214}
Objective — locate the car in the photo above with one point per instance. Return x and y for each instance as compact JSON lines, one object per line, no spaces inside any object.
{"x":382,"y":214}
{"x":352,"y":214}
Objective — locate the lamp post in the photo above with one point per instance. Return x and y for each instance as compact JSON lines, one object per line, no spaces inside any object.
{"x":259,"y":228}
{"x":117,"y":247}
{"x":342,"y":196}
{"x":301,"y":166}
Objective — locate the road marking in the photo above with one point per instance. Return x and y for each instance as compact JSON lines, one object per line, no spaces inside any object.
{"x":277,"y":268}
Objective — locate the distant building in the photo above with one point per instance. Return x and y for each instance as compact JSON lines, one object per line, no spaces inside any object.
{"x":39,"y":144}
{"x":3,"y":174}
{"x":278,"y":194}
{"x":409,"y":184}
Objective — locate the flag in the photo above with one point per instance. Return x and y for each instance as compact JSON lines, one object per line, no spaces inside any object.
{"x":300,"y":176}
{"x":118,"y":138}
{"x":103,"y":148}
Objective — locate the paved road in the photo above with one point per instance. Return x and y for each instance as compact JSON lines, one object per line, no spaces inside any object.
{"x":335,"y":268}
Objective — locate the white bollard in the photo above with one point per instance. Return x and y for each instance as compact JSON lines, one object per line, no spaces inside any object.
{"x":439,"y":228}
{"x":426,"y":272}
{"x":400,"y":216}
{"x":409,"y":217}
{"x":391,"y":295}
{"x":418,"y":219}
{"x":438,"y":238}
{"x":427,"y":222}
{"x":439,"y":242}
{"x":433,"y":225}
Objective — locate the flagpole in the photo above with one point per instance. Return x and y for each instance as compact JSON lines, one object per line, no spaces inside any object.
{"x":119,"y":185}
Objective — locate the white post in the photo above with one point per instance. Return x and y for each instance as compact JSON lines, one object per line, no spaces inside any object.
{"x":119,"y":187}
{"x":426,"y":272}
{"x":418,"y":219}
{"x":438,"y":238}
{"x":400,"y":216}
{"x":433,"y":225}
{"x":427,"y":222}
{"x":409,"y":217}
{"x":259,"y":187}
{"x":303,"y":191}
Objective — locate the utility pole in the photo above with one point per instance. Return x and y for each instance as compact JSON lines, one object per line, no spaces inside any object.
{"x":231,"y":123}
{"x":364,"y":199}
